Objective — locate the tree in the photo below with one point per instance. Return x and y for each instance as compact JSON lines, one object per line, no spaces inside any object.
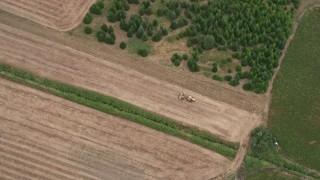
{"x":193,"y":66}
{"x":95,"y":9}
{"x":157,"y":37}
{"x":123,"y":45}
{"x":109,"y":40}
{"x":173,"y":25}
{"x":144,"y":37}
{"x":104,"y":28}
{"x":185,"y":56}
{"x":143,"y":52}
{"x":149,"y":31}
{"x":149,"y":11}
{"x":261,"y":142}
{"x":88,"y":30}
{"x":234,"y":82}
{"x":214,"y":68}
{"x":175,"y":60}
{"x":87,"y":19}
{"x":155,"y":23}
{"x":208,"y":42}
{"x":238,"y":68}
{"x":112,"y":17}
{"x":140,"y":32}
{"x":227,"y":77}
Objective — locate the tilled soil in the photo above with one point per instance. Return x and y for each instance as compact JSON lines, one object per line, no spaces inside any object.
{"x":65,"y":64}
{"x":46,"y":137}
{"x":57,"y":14}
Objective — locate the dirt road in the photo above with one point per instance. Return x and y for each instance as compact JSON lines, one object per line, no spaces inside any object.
{"x":46,"y":137}
{"x":58,"y":14}
{"x":65,"y":64}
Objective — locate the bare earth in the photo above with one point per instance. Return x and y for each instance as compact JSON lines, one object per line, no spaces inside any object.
{"x":65,"y":64}
{"x":45,"y":137}
{"x":58,"y":14}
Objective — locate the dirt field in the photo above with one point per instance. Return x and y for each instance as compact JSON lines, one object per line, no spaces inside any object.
{"x":57,"y":14}
{"x":61,"y":63}
{"x":42,"y":136}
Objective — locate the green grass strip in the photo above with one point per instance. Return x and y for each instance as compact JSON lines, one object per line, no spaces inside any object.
{"x":121,"y":109}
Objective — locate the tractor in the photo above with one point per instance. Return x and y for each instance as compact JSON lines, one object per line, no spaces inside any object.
{"x":189,"y":98}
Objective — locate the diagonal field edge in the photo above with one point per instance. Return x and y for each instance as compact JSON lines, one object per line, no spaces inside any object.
{"x":121,"y":109}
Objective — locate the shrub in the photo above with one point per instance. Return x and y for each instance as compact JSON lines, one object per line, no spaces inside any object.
{"x":157,"y":37}
{"x":238,"y":68}
{"x":193,"y":66}
{"x":155,"y":23}
{"x":129,"y":34}
{"x":234,"y":82}
{"x":140,"y":32}
{"x":149,"y":11}
{"x":104,"y":28}
{"x":214,"y":67}
{"x":173,"y":25}
{"x":208,"y":42}
{"x":261,"y":142}
{"x":175,"y":61}
{"x":109,"y":40}
{"x":227,"y":77}
{"x":144,"y":38}
{"x":101,"y":36}
{"x":143,"y":52}
{"x":185,"y":56}
{"x":88,"y":30}
{"x":217,"y":77}
{"x":160,"y":12}
{"x":123,"y":45}
{"x":87,"y":19}
{"x":95,"y":9}
{"x":164,"y":31}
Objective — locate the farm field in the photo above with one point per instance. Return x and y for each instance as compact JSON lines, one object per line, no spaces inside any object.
{"x":57,"y":62}
{"x":294,"y":113}
{"x":57,"y":14}
{"x":194,"y":82}
{"x":43,"y":136}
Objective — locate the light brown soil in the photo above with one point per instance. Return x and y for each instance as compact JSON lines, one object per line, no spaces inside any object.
{"x":46,"y":137}
{"x":191,"y":81}
{"x":54,"y":61}
{"x":58,"y":14}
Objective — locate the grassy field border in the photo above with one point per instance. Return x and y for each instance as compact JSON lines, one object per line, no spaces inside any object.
{"x":121,"y":109}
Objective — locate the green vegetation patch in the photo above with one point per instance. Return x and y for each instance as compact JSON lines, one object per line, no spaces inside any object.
{"x":121,"y":109}
{"x":135,"y":45}
{"x":295,"y":109}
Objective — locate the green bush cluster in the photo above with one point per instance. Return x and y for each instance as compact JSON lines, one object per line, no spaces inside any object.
{"x":117,"y":11}
{"x":87,"y":18}
{"x":97,"y":7}
{"x":143,"y":52}
{"x":88,"y":30}
{"x":123,"y":45}
{"x":106,"y":34}
{"x":258,"y":31}
{"x":145,"y":8}
{"x":122,"y":109}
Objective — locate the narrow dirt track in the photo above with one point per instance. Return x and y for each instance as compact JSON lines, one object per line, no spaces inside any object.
{"x":61,"y":63}
{"x":46,"y":137}
{"x":58,"y":14}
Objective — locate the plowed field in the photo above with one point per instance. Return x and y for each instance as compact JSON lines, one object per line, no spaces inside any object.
{"x":57,"y":14}
{"x":46,"y":137}
{"x":65,"y":64}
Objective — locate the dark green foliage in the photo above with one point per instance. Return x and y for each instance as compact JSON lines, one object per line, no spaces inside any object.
{"x":185,"y":56}
{"x":104,"y":28}
{"x":109,"y":40}
{"x":117,"y":11}
{"x":101,"y":36}
{"x":175,"y":59}
{"x":171,"y":15}
{"x":214,"y":67}
{"x":160,"y":12}
{"x":140,"y":32}
{"x":100,"y":4}
{"x":257,"y":31}
{"x":144,"y":37}
{"x":193,"y":66}
{"x":149,"y":31}
{"x":217,"y":77}
{"x":234,"y":82}
{"x":208,"y":42}
{"x":148,"y":11}
{"x":157,"y":37}
{"x":95,"y":9}
{"x":227,"y":77}
{"x":238,"y":68}
{"x":143,"y":52}
{"x":261,"y":142}
{"x":133,"y":1}
{"x":88,"y":30}
{"x":87,"y":19}
{"x":164,"y":31}
{"x":123,"y":45}
{"x":155,"y":23}
{"x":129,"y":33}
{"x":173,"y":25}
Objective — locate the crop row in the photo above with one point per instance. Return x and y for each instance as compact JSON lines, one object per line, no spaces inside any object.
{"x":121,"y":109}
